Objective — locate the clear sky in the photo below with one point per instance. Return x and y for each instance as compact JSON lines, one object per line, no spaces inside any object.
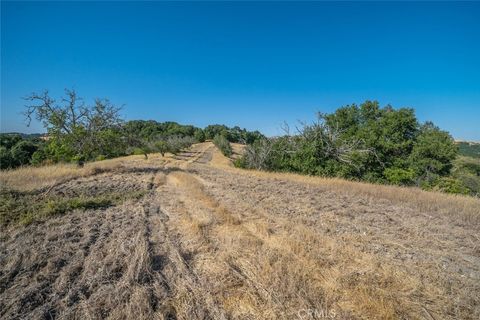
{"x":249,"y":64}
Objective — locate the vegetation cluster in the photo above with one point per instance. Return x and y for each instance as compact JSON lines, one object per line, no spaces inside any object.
{"x":369,"y":143}
{"x":363,"y":142}
{"x":223,"y":145}
{"x":78,"y":133}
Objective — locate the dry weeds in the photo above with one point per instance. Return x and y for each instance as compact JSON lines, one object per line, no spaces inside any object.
{"x":211,"y":241}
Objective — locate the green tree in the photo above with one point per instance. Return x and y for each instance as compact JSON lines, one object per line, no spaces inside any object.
{"x":433,"y":153}
{"x":199,"y":135}
{"x":162,"y":147}
{"x":78,"y":130}
{"x":22,"y":152}
{"x":6,"y":161}
{"x":223,"y":145}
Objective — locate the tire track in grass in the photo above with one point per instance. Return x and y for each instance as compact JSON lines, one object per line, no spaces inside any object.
{"x":187,"y":297}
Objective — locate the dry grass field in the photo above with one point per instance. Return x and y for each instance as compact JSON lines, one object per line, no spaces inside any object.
{"x":191,"y":237}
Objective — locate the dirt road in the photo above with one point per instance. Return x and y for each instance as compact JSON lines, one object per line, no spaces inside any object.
{"x":209,"y":241}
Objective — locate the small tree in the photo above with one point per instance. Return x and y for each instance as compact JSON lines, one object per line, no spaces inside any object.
{"x":199,"y":135}
{"x":162,"y":147}
{"x":22,"y":152}
{"x":72,"y":123}
{"x":5,"y":158}
{"x":223,"y":145}
{"x":433,"y":153}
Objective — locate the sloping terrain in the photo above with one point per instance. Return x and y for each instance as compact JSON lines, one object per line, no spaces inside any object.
{"x":208,"y":241}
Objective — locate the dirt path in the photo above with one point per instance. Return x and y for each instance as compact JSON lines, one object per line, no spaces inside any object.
{"x":208,"y":241}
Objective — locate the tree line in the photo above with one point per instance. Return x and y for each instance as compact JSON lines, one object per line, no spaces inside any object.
{"x":79,"y":132}
{"x":363,"y":142}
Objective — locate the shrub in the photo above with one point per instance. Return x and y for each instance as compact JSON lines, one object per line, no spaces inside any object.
{"x":223,"y":145}
{"x":5,"y":158}
{"x":16,"y":151}
{"x":366,"y":143}
{"x":400,"y":176}
{"x":38,"y":158}
{"x":138,"y":151}
{"x":240,"y":163}
{"x":450,"y":185}
{"x":178,"y":143}
{"x":162,"y":147}
{"x":467,"y":170}
{"x":199,"y":135}
{"x":100,"y":157}
{"x":433,"y":152}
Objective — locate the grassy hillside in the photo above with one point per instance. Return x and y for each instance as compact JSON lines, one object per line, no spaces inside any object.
{"x":189,"y":236}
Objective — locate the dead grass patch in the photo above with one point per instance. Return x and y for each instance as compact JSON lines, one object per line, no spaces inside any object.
{"x":465,"y":208}
{"x":30,"y":178}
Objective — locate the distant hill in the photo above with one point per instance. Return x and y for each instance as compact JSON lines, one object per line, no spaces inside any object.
{"x":469,"y":149}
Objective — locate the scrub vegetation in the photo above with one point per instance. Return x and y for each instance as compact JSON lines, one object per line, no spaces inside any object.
{"x":368,"y":143}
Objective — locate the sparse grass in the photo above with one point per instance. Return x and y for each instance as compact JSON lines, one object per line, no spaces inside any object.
{"x":464,"y":207}
{"x":32,"y":178}
{"x":25,"y":207}
{"x":213,"y":241}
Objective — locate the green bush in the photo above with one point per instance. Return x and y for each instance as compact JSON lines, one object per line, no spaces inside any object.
{"x":100,"y":157}
{"x":365,"y":142}
{"x":467,"y":170}
{"x":199,"y":135}
{"x":240,"y":163}
{"x":16,"y":151}
{"x":400,"y":176}
{"x":138,"y":151}
{"x":223,"y":145}
{"x":450,"y":185}
{"x":38,"y":158}
{"x":6,"y":160}
{"x":162,"y":147}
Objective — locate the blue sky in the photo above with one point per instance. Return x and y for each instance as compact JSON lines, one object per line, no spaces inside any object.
{"x":249,"y":64}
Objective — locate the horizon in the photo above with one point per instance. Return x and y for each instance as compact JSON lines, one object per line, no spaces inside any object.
{"x":254,"y":65}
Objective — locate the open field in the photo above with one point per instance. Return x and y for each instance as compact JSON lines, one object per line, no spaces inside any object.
{"x":191,"y":237}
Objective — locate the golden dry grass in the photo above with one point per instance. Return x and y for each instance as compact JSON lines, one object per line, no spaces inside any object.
{"x":465,"y":207}
{"x":30,"y":178}
{"x":212,"y":241}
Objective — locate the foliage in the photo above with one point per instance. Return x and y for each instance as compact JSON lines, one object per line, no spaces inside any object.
{"x":449,"y":185}
{"x":6,"y":160}
{"x":151,"y":129}
{"x":223,"y":145}
{"x":15,"y":150}
{"x":162,"y":147}
{"x":75,"y":130}
{"x":433,"y":152}
{"x":400,"y":176}
{"x":80,"y":132}
{"x":467,"y":170}
{"x":22,"y":152}
{"x":199,"y":135}
{"x":469,"y":149}
{"x":235,"y":134}
{"x":366,"y":142}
